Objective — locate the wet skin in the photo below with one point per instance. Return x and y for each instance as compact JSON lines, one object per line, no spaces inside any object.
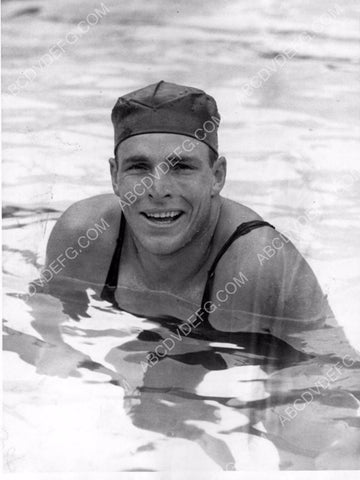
{"x":163,"y":270}
{"x":174,"y":231}
{"x":190,"y":189}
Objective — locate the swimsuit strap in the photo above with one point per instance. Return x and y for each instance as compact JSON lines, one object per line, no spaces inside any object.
{"x":109,"y":289}
{"x":241,"y":230}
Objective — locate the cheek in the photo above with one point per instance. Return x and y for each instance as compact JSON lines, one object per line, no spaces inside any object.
{"x":127,"y":184}
{"x":198,"y":185}
{"x":125,"y":181}
{"x":200,"y":191}
{"x":200,"y":200}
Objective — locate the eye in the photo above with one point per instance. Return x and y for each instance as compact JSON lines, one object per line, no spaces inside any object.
{"x":183,"y":166}
{"x":136,"y":166}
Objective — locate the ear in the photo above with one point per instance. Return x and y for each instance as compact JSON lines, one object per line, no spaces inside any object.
{"x":114,"y":169}
{"x":219,"y":172}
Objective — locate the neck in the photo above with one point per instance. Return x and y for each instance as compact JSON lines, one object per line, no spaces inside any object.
{"x":175,"y":270}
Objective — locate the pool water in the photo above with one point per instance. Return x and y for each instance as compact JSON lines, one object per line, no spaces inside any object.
{"x":77,"y":396}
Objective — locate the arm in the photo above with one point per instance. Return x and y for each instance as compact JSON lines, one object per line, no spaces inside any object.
{"x":296,"y":299}
{"x":69,"y":267}
{"x":80,"y":248}
{"x":62,"y":275}
{"x":299,"y":295}
{"x":279,"y":283}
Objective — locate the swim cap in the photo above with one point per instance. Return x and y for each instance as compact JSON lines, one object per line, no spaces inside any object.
{"x":167,"y":108}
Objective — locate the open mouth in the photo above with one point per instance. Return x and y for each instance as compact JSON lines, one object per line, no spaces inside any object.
{"x":167,"y":217}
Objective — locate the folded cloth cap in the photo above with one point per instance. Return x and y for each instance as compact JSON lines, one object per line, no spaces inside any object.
{"x":167,"y":108}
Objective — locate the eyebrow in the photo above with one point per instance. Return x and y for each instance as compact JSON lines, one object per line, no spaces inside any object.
{"x":135,"y":159}
{"x":185,"y":159}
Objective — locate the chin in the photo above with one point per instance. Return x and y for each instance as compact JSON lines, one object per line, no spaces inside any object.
{"x":163,"y":247}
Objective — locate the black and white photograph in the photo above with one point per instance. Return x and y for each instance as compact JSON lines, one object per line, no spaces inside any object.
{"x":180,"y":232}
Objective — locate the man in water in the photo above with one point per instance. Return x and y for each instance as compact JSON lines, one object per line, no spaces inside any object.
{"x":167,"y":244}
{"x":171,"y":245}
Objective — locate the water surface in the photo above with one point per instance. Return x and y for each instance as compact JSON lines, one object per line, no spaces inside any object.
{"x":77,"y":397}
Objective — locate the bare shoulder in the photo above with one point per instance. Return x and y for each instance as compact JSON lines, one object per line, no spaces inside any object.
{"x":275,"y":270}
{"x":238,"y":212}
{"x":84,"y":236}
{"x":231,"y":216}
{"x":84,"y":213}
{"x":255,"y":249}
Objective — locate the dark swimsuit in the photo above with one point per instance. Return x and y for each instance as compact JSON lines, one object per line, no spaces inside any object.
{"x":108,"y":292}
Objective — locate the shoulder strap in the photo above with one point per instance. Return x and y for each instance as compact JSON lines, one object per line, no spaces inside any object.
{"x":241,"y":230}
{"x":108,"y":291}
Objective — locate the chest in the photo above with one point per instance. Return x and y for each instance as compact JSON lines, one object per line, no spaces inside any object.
{"x":229,"y":305}
{"x":139,"y":296}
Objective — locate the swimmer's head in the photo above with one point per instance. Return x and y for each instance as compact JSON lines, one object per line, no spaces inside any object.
{"x":169,"y":191}
{"x":167,"y":108}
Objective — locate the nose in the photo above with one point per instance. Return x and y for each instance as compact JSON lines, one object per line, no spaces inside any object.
{"x":161,"y":187}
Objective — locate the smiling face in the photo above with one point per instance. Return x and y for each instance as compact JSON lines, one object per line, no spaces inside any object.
{"x":168,"y":189}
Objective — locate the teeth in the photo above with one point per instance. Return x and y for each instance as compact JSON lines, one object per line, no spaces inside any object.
{"x":163,"y":214}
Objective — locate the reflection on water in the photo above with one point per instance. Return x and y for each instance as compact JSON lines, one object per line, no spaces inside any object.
{"x":75,"y":370}
{"x":241,"y":397}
